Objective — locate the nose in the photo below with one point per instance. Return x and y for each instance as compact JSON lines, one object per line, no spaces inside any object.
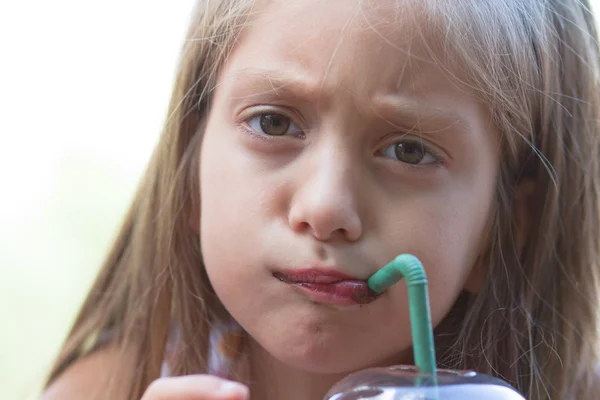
{"x":325,"y":201}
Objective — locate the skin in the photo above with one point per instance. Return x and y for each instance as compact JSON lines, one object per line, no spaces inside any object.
{"x":332,"y":192}
{"x":89,"y":377}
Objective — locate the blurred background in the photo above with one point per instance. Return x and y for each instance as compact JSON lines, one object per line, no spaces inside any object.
{"x":84,"y":88}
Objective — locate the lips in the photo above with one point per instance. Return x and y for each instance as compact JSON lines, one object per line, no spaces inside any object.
{"x":329,"y":286}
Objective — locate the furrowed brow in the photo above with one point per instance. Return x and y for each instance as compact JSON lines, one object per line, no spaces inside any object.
{"x":251,"y":82}
{"x":424,"y":116}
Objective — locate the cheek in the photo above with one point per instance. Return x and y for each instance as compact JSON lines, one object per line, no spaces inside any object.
{"x":232,"y":215}
{"x":444,"y":227}
{"x":459,"y":226}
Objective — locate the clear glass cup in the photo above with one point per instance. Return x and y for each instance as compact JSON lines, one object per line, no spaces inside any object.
{"x":406,"y":383}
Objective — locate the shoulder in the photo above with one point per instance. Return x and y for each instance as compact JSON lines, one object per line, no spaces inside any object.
{"x":87,"y":378}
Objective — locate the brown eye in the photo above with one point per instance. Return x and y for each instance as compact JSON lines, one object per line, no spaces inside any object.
{"x":413,"y":152}
{"x":274,"y":124}
{"x":410,"y":153}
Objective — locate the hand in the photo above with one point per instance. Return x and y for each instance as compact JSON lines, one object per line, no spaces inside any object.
{"x":195,"y":387}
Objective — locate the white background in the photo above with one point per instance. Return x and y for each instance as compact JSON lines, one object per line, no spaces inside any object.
{"x":84,"y":87}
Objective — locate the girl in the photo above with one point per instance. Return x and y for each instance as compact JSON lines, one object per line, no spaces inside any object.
{"x":310,"y":142}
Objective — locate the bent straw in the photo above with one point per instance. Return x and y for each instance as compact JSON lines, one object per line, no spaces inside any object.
{"x":409,"y":267}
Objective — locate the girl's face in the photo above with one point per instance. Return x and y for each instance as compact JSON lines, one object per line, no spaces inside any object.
{"x":335,"y":143}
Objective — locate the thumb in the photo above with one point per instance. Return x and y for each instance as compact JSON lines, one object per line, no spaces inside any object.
{"x":195,"y":387}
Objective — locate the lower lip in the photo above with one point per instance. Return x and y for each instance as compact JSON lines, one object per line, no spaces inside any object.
{"x":342,"y":293}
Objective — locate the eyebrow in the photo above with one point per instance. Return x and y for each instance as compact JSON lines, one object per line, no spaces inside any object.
{"x":258,"y":81}
{"x":420,"y":114}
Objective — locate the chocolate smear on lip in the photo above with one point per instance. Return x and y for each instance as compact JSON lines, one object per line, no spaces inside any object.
{"x":282,"y":277}
{"x":362,"y":297}
{"x":365,"y":298}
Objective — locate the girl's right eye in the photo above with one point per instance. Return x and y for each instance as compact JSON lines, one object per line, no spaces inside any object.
{"x":273,"y":124}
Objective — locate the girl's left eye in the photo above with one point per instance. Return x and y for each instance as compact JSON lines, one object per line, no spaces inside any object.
{"x":410,"y":152}
{"x":273,"y":124}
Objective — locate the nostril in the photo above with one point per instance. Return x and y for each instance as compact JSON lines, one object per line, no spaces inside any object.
{"x":326,"y":220}
{"x":301,"y":227}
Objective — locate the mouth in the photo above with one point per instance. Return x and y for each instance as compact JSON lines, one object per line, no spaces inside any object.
{"x":329,"y":286}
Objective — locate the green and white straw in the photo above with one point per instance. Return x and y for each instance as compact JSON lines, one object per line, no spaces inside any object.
{"x":410,"y":268}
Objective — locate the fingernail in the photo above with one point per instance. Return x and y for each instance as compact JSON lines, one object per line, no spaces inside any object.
{"x":233,"y":389}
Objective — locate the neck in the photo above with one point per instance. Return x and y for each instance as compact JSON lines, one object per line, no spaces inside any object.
{"x":270,"y":379}
{"x":273,"y":380}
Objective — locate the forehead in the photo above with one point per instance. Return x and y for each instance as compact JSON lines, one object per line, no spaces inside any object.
{"x":364,"y":46}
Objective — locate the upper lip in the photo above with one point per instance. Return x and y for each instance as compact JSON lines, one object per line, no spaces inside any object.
{"x":314,"y":275}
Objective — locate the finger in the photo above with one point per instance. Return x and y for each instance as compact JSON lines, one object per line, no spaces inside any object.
{"x":195,"y":387}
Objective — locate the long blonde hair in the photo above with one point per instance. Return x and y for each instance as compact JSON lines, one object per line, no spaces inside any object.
{"x":534,"y":322}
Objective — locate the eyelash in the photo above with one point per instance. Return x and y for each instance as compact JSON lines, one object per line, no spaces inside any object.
{"x":438,"y":160}
{"x":263,"y":111}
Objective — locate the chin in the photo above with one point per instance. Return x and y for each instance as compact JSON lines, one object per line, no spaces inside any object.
{"x":317,"y":355}
{"x":321,"y":364}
